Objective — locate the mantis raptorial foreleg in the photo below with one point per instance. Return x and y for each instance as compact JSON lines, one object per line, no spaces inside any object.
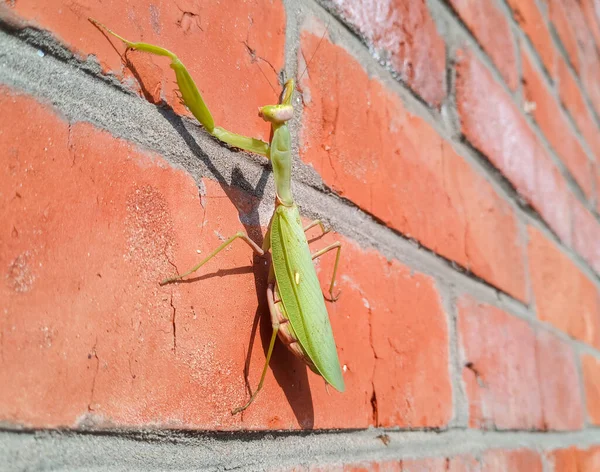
{"x":226,"y":243}
{"x":191,"y":97}
{"x":337,"y":245}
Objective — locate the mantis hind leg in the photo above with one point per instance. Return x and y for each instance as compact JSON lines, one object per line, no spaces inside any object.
{"x":337,"y":245}
{"x":192,"y":98}
{"x":226,"y":243}
{"x":275,"y":323}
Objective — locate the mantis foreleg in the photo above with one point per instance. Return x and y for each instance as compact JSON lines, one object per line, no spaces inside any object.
{"x":337,"y":245}
{"x":226,"y":243}
{"x":192,"y":99}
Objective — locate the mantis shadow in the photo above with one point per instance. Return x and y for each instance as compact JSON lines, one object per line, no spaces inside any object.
{"x":290,"y":372}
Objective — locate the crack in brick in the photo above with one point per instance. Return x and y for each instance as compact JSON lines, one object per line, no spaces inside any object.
{"x":478,"y":377}
{"x":173,"y":323}
{"x":94,"y":354}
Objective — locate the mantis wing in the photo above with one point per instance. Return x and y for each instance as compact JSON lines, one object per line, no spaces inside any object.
{"x":301,"y":294}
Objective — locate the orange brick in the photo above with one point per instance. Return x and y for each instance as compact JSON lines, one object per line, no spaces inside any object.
{"x":105,"y":345}
{"x":586,"y":235}
{"x":591,"y":379}
{"x":575,"y":460}
{"x":563,"y":460}
{"x":492,"y":30}
{"x":588,"y":460}
{"x":457,"y":214}
{"x":559,"y":16}
{"x":590,"y":76}
{"x":492,"y":123}
{"x":555,"y":126}
{"x":229,"y":78}
{"x":500,"y":371}
{"x":423,"y":465}
{"x":404,"y":31}
{"x":464,"y":464}
{"x":564,"y":296}
{"x":559,"y":384}
{"x":573,"y":100}
{"x":520,"y":460}
{"x":592,"y":17}
{"x":410,"y":341}
{"x":531,"y":20}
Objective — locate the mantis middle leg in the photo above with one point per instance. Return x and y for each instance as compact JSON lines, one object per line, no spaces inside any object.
{"x":337,"y":245}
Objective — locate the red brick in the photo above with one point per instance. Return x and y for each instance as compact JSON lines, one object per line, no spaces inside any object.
{"x":564,"y":296}
{"x":492,"y":30}
{"x":586,"y":235}
{"x":555,"y":126}
{"x":588,"y":460}
{"x":492,"y":123}
{"x":559,"y":383}
{"x":575,"y":460}
{"x":464,"y":464}
{"x":96,"y":330}
{"x":572,"y":99}
{"x":410,"y":341}
{"x":424,"y":465}
{"x":533,"y":24}
{"x":520,"y":460}
{"x":230,"y":80}
{"x":499,"y":370}
{"x":457,"y":214}
{"x":563,"y":460}
{"x":559,"y":16}
{"x":591,"y":12}
{"x":591,"y":380}
{"x":405,"y":32}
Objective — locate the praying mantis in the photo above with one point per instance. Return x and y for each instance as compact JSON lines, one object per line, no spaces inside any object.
{"x":295,"y":300}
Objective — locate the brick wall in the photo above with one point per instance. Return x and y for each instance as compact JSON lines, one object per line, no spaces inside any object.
{"x":454,"y":148}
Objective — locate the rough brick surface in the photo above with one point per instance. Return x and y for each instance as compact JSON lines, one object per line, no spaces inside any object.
{"x":457,"y":214}
{"x":499,"y":368}
{"x":573,"y":459}
{"x":586,"y":235}
{"x":591,"y":12}
{"x":224,"y":38}
{"x":591,"y":377}
{"x":404,"y":33}
{"x":572,"y":98}
{"x":165,"y":347}
{"x":492,"y":30}
{"x":559,"y":383}
{"x":520,"y":460}
{"x":554,"y":125}
{"x":560,"y":18}
{"x":533,"y":24}
{"x":564,"y":296}
{"x":503,"y":135}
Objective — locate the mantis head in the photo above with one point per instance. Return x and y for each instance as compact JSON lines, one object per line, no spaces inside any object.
{"x":279,"y":114}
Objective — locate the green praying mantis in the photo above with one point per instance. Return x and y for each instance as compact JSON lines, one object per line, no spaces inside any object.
{"x":296,"y":303}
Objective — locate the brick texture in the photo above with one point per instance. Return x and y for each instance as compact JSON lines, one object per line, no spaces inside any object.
{"x":457,"y":215}
{"x":405,"y":33}
{"x":492,"y":30}
{"x":499,"y":368}
{"x":591,"y":377}
{"x":564,"y":296}
{"x":530,"y":19}
{"x":455,"y":145}
{"x":572,"y":98}
{"x":554,"y":125}
{"x":503,"y":135}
